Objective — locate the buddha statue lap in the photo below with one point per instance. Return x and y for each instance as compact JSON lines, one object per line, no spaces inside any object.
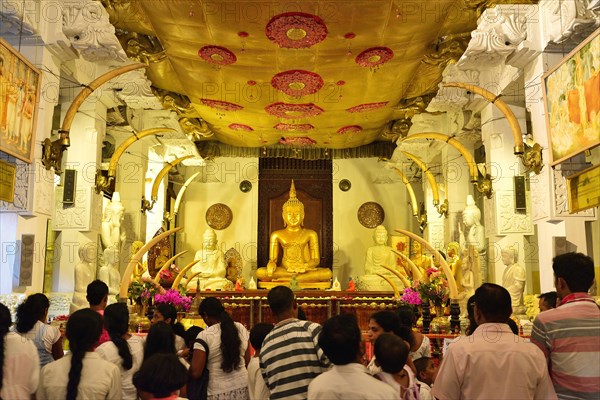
{"x":209,"y":273}
{"x":378,"y":255}
{"x":300,"y":257}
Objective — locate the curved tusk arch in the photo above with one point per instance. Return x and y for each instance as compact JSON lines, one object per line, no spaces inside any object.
{"x":416,"y":272}
{"x":402,"y":278}
{"x":182,"y":273}
{"x":114,"y":160}
{"x":182,"y":191}
{"x":411,"y":191}
{"x":136,"y":258}
{"x":167,"y":265}
{"x":430,"y":177}
{"x":89,"y":88}
{"x":392,"y":284}
{"x":519,"y":148}
{"x":161,"y":175}
{"x":443,"y":263}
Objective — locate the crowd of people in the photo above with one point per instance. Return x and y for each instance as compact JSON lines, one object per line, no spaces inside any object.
{"x":299,"y":359}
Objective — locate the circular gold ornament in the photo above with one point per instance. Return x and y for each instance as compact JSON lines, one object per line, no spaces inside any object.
{"x":296,"y":33}
{"x":219,"y":216}
{"x":296,"y":85}
{"x":371,"y":214}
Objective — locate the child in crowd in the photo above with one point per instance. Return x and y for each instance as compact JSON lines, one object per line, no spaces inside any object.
{"x":160,"y":377}
{"x":426,"y":373}
{"x":256,"y":384}
{"x":391,"y":353}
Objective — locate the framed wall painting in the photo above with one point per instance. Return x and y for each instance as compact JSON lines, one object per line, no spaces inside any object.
{"x":572,"y":99}
{"x":19,"y":95}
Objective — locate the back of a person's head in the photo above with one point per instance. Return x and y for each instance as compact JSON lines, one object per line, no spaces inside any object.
{"x":191,"y":334}
{"x":406,"y":317}
{"x":33,"y":309}
{"x":421,"y":365}
{"x":83,"y":331}
{"x":160,"y":375}
{"x":160,"y":339}
{"x":96,"y":292}
{"x":281,"y":299}
{"x":576,"y":269}
{"x":116,"y":322}
{"x":493,"y":301}
{"x":340,"y":339}
{"x":388,"y":321}
{"x":471,"y":315}
{"x":549,"y":298}
{"x":258,"y":334}
{"x":5,"y":323}
{"x":212,"y":307}
{"x":168,"y":311}
{"x":391,"y":353}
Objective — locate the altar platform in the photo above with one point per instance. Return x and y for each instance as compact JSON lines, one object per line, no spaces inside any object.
{"x":250,"y":306}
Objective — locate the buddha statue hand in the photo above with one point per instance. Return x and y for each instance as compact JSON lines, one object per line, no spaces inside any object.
{"x":271,"y":266}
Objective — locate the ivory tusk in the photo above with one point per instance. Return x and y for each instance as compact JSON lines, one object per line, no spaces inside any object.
{"x":182,"y":273}
{"x":137,"y":257}
{"x":502,"y":106}
{"x":167,"y":265}
{"x":114,"y":160}
{"x":443,"y":263}
{"x":161,"y":175}
{"x":392,"y":284}
{"x":182,"y":191}
{"x":402,"y":278}
{"x":427,"y":172}
{"x":88,"y":89}
{"x":411,"y":191}
{"x":416,"y":272}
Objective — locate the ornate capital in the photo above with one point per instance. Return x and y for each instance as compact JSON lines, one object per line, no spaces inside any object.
{"x":568,"y":22}
{"x":453,"y":99}
{"x":499,"y":31}
{"x":15,"y":21}
{"x":134,"y":89}
{"x":86,"y":24}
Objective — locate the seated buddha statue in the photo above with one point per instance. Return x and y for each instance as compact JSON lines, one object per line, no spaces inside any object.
{"x":210,"y":270}
{"x":422,"y":261}
{"x":300,"y":247}
{"x":378,"y":255}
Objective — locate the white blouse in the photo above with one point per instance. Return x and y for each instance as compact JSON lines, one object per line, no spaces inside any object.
{"x":109,"y":352}
{"x":21,"y":371}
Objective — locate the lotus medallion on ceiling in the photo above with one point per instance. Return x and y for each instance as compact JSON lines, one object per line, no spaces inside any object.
{"x":315,"y":73}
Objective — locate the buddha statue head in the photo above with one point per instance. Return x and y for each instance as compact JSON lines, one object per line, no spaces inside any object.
{"x":293,"y":210}
{"x":509,"y":255}
{"x":471,"y":214}
{"x":88,"y":252}
{"x":453,"y":250}
{"x":209,"y":240}
{"x":380,"y":235}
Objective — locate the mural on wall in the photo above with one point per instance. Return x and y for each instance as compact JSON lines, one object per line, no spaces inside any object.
{"x":19,"y":94}
{"x":572,"y":99}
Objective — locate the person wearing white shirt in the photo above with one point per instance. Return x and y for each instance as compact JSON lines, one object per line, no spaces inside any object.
{"x":426,"y":373}
{"x":124,"y":349}
{"x":340,"y":339}
{"x":19,"y":362}
{"x":82,"y":374}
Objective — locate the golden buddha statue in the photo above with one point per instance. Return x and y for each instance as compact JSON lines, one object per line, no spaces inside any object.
{"x":422,"y":261}
{"x":453,"y":254}
{"x":300,"y":250}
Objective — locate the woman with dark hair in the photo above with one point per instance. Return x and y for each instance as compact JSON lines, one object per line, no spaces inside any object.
{"x":160,"y":377}
{"x":381,"y":322}
{"x":168,"y":313}
{"x":228,"y":353}
{"x":31,"y":324}
{"x":19,"y":362}
{"x":419,"y":343}
{"x":161,"y":339}
{"x":124,"y":349}
{"x":82,"y":374}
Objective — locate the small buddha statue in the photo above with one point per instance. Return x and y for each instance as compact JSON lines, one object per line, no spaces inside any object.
{"x":467,"y":282}
{"x":422,"y":261}
{"x":513,"y":279}
{"x":210,"y":267}
{"x":109,"y":273}
{"x":453,"y":259}
{"x":85,"y":272}
{"x":140,"y":268}
{"x":300,"y":247}
{"x":378,"y":255}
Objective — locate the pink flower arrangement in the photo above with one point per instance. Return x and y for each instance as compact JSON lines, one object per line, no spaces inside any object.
{"x":411,"y":296}
{"x":172,"y":296}
{"x":435,"y":289}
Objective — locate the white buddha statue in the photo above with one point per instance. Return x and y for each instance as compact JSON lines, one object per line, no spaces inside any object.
{"x":85,"y":273}
{"x":467,"y":282}
{"x":111,"y":223}
{"x":378,"y":255}
{"x":109,"y":273}
{"x":513,"y":279}
{"x":210,"y":268}
{"x":473,"y":234}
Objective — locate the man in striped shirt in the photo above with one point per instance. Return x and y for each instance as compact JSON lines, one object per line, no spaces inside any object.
{"x":290,"y":357}
{"x":569,"y":335}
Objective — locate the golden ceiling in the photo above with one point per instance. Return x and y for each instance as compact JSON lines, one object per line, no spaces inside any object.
{"x":330,"y":74}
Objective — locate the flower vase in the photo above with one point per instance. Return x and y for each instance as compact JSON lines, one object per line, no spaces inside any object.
{"x":440,"y":323}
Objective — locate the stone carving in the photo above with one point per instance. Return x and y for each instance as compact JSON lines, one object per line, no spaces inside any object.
{"x":23,"y":195}
{"x":507,"y":220}
{"x":85,"y":272}
{"x":513,"y":278}
{"x":540,"y":195}
{"x":44,"y":190}
{"x":86,"y":24}
{"x":134,"y":89}
{"x":453,"y":99}
{"x":499,"y":31}
{"x":570,"y":20}
{"x":76,"y":216}
{"x":109,"y":273}
{"x":14,"y":21}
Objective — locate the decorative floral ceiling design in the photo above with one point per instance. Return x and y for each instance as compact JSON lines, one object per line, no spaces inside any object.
{"x":327,"y":74}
